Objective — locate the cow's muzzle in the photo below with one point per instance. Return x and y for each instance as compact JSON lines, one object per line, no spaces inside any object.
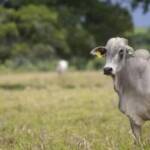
{"x":108,"y":70}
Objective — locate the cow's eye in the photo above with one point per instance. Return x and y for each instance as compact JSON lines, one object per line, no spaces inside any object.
{"x":121,"y":52}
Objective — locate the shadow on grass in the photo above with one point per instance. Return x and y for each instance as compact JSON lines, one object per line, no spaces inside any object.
{"x":73,"y":86}
{"x":19,"y":86}
{"x":12,"y":86}
{"x":69,"y":86}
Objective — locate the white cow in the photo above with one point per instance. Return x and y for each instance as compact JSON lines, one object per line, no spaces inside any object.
{"x":62,"y":66}
{"x":130,"y":71}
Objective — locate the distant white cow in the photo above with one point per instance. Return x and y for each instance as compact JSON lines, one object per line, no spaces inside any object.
{"x":62,"y":66}
{"x":130,"y":71}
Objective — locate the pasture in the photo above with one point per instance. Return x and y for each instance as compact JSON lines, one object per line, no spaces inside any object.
{"x":76,"y":111}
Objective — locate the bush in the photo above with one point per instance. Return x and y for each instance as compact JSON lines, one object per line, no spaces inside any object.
{"x":95,"y":64}
{"x":32,"y":31}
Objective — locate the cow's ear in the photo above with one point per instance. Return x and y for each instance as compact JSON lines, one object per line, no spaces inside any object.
{"x":99,"y":51}
{"x":130,"y":51}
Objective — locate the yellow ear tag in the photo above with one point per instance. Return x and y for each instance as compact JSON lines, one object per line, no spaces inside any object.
{"x":98,"y":54}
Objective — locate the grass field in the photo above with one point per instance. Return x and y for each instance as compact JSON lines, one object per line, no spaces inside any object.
{"x":77,"y":111}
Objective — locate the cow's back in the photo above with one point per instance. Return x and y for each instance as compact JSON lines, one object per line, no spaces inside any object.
{"x":142,"y":53}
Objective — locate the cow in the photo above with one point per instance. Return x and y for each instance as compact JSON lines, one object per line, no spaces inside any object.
{"x":130,"y":71}
{"x":62,"y":66}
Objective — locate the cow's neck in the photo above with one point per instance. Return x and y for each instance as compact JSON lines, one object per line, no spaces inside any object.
{"x":119,"y":81}
{"x":120,"y":86}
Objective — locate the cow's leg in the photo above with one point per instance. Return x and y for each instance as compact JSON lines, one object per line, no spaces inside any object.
{"x":136,"y":130}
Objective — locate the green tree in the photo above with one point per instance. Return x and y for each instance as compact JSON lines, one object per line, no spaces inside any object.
{"x":42,"y":29}
{"x":145,"y":4}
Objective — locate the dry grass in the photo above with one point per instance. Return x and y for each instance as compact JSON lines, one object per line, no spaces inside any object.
{"x":77,"y":111}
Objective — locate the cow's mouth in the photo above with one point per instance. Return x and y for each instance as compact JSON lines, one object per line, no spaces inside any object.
{"x":113,"y":76}
{"x":109,"y":74}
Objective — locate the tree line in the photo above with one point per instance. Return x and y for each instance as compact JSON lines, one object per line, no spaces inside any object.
{"x":43,"y":30}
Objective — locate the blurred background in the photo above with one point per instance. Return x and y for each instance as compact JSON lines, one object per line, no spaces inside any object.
{"x":35,"y":34}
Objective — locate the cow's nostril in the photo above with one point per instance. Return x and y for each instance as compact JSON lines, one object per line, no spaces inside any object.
{"x":107,"y":70}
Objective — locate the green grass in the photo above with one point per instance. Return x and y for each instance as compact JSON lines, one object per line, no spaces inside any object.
{"x":77,"y":111}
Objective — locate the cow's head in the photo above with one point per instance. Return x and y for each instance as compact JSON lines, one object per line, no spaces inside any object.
{"x":116,"y":52}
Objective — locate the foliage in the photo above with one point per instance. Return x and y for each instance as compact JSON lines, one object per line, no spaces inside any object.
{"x":43,"y":30}
{"x":33,"y":33}
{"x":145,"y":4}
{"x":70,"y":28}
{"x":140,"y":38}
